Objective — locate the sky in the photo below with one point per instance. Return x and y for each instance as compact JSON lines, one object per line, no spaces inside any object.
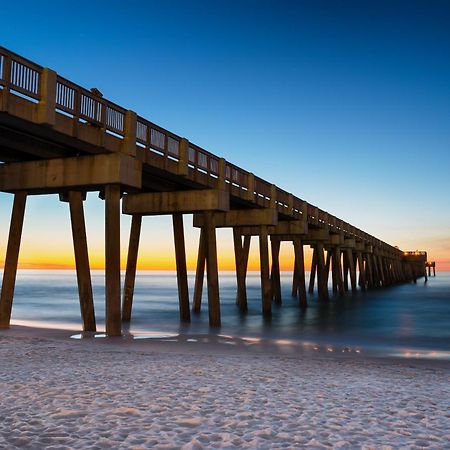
{"x":346,"y":104}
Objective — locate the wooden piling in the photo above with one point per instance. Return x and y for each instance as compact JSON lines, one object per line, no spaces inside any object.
{"x":200,"y":272}
{"x":351,"y":268}
{"x":130,"y":274}
{"x":362,"y":271}
{"x":321,"y":276}
{"x":328,"y":267}
{"x":275,"y":270}
{"x":369,"y":271}
{"x":12,"y":258}
{"x":337,"y":270}
{"x":180,"y":257}
{"x":241,"y":252}
{"x":112,"y":260}
{"x":212,"y":273}
{"x":294,"y":291}
{"x":82,"y":260}
{"x":264,"y":268}
{"x":312,"y":274}
{"x":300,"y":269}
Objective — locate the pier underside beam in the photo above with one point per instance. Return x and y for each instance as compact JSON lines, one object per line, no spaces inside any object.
{"x":12,"y":258}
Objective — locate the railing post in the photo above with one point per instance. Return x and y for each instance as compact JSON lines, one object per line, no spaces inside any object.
{"x":6,"y":77}
{"x":273,"y":196}
{"x":222,"y":173}
{"x":183,"y":157}
{"x":47,"y":102}
{"x":250,"y":187}
{"x":291,"y":204}
{"x":129,"y":138}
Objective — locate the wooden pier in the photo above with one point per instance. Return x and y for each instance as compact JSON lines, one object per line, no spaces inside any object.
{"x":58,"y":137}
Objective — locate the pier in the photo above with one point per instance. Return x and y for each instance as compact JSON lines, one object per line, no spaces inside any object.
{"x":57,"y":137}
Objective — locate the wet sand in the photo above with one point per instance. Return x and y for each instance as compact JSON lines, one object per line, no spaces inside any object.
{"x":208,"y":391}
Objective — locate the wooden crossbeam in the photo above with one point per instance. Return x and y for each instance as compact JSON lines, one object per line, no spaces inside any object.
{"x":241,"y":218}
{"x":52,"y":175}
{"x":155,"y":203}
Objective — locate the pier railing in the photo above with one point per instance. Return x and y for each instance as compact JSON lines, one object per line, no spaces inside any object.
{"x":21,"y":77}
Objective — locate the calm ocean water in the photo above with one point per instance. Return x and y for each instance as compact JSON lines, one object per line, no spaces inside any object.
{"x":409,"y":316}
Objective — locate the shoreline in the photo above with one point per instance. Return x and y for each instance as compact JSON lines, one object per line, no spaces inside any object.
{"x":218,"y":343}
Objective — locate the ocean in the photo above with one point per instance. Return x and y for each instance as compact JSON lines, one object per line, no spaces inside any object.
{"x":402,"y":319}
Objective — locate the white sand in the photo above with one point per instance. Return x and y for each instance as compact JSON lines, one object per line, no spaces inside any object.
{"x":58,"y":393}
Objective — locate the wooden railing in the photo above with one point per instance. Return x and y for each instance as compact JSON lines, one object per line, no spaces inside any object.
{"x":22,"y":77}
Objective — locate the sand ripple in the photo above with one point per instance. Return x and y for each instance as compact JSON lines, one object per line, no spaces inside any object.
{"x":64,"y":395}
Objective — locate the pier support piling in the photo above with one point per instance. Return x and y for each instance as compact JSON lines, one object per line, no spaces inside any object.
{"x":312,"y":274}
{"x":265,"y":273}
{"x":300,"y":270}
{"x":337,"y":271}
{"x":241,"y":252}
{"x":130,"y":274}
{"x":12,"y":258}
{"x":200,"y":272}
{"x":82,"y":260}
{"x":112,"y":260}
{"x":321,"y":275}
{"x":275,"y":270}
{"x":351,"y":268}
{"x":212,"y":273}
{"x":180,"y":257}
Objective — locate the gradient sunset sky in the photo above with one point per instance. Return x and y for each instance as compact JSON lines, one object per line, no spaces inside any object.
{"x":346,"y":104}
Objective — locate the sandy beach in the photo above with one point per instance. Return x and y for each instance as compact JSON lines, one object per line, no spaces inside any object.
{"x":195,"y":393}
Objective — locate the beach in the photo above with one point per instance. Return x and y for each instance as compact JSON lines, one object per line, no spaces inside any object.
{"x":203,"y":391}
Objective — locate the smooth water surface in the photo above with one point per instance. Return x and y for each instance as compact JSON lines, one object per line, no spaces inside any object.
{"x":415,"y":316}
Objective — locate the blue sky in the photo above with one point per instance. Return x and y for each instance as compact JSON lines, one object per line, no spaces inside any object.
{"x":344,"y":103}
